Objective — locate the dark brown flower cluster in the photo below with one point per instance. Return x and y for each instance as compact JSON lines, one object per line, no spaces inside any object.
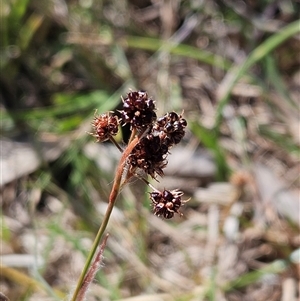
{"x":138,"y":110}
{"x":149,"y":155}
{"x":166,"y":203}
{"x":170,"y":128}
{"x":151,"y":151}
{"x":148,"y":150}
{"x":157,"y":136}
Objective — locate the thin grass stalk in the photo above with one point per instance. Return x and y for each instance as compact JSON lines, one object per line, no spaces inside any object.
{"x":112,"y":199}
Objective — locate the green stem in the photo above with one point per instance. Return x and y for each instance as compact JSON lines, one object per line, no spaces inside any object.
{"x":94,"y":248}
{"x":112,"y":199}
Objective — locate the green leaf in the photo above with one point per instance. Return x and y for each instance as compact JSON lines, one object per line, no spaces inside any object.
{"x":283,"y":141}
{"x":18,"y":9}
{"x":180,"y":49}
{"x":28,"y":30}
{"x":66,"y":114}
{"x":276,"y":80}
{"x":275,"y":267}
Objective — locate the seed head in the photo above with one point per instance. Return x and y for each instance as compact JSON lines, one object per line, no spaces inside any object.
{"x":138,"y":110}
{"x":148,"y":147}
{"x":166,"y":203}
{"x":171,"y":128}
{"x":151,"y":152}
{"x":149,"y":155}
{"x":105,"y":126}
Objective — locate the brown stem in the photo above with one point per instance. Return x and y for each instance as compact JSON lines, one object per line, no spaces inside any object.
{"x":112,"y":199}
{"x":132,"y":136}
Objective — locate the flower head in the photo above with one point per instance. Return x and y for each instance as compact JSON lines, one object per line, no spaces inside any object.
{"x":105,"y":126}
{"x":138,"y":110}
{"x":151,"y":151}
{"x":167,"y":203}
{"x":170,"y":127}
{"x":149,"y":155}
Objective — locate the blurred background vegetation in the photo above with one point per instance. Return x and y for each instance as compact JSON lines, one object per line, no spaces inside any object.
{"x":232,"y":66}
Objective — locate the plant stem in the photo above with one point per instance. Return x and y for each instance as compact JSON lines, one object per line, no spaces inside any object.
{"x":112,"y":199}
{"x":133,"y":133}
{"x":148,"y":183}
{"x":112,"y":139}
{"x":94,"y":246}
{"x":94,"y":268}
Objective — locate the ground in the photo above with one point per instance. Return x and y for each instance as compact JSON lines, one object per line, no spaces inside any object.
{"x":231,"y":69}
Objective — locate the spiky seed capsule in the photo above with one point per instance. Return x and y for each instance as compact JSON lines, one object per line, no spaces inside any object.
{"x":151,"y":151}
{"x":149,"y":155}
{"x":138,"y":110}
{"x":171,"y":128}
{"x":166,"y":203}
{"x":105,"y":126}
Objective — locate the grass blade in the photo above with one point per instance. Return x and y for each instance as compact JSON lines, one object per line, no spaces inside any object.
{"x":257,"y":54}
